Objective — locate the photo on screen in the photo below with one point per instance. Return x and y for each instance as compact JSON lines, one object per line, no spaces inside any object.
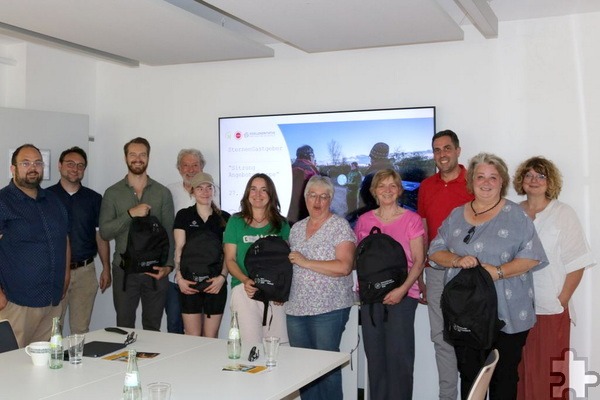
{"x":347,"y":146}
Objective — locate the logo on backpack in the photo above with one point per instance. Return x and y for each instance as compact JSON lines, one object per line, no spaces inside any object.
{"x":268,"y":266}
{"x":470,"y":309}
{"x":380,"y":265}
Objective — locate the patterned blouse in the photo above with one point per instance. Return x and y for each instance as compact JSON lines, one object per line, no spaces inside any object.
{"x":313,"y":293}
{"x":507,"y":236}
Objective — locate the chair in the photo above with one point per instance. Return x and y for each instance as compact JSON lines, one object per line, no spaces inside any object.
{"x":8,"y":341}
{"x":482,"y":382}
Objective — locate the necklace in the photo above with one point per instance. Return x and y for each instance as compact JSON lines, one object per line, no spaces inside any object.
{"x":483,"y":212}
{"x":259,"y":221}
{"x":397,"y":211}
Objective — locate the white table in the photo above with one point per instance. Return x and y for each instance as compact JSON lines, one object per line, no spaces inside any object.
{"x":192,"y":365}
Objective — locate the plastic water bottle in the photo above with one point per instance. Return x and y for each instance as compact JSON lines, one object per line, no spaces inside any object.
{"x":56,"y":347}
{"x":132,"y":388}
{"x":234,"y":340}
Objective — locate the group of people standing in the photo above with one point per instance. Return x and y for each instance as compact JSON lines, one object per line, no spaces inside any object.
{"x":535,"y":252}
{"x":48,"y":243}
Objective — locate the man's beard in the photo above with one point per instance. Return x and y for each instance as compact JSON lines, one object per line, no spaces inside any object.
{"x":30,"y":181}
{"x":137,"y":169}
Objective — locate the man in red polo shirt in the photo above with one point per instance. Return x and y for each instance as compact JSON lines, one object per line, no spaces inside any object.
{"x":438,"y":196}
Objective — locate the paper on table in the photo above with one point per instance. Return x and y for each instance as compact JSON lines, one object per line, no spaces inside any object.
{"x":123,"y":356}
{"x":251,"y":369}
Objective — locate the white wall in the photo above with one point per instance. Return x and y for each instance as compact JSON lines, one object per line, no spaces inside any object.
{"x":534,"y":90}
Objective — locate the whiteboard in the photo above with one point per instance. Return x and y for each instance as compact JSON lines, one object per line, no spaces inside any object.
{"x":49,"y":131}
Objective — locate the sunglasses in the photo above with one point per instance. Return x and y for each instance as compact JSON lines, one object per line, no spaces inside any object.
{"x":131,"y":338}
{"x":254,"y":354}
{"x":469,"y":236}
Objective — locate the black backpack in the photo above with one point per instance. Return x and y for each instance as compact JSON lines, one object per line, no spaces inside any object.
{"x":269,"y":267}
{"x":470,"y":309}
{"x":147,"y":246}
{"x":201,"y":257}
{"x":380,"y":265}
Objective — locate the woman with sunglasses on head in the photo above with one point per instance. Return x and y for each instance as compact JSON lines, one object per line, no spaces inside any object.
{"x":495,"y":232}
{"x":201,"y":311}
{"x":259,"y":217}
{"x":569,"y":254}
{"x":390,"y":338}
{"x":321,"y":294}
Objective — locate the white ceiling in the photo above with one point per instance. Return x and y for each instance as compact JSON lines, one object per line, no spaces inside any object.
{"x":164,"y":32}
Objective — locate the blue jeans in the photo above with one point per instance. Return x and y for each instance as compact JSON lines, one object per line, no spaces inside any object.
{"x":320,"y":332}
{"x":173,"y":310}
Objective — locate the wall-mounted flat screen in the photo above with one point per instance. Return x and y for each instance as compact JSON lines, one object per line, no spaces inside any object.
{"x":347,"y":146}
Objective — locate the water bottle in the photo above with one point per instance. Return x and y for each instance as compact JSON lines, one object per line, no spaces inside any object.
{"x":56,"y":347}
{"x":132,"y":388}
{"x":234,"y":340}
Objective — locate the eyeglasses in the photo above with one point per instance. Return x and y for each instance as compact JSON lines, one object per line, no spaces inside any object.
{"x":529,"y":177}
{"x":469,"y":236}
{"x":254,"y":354}
{"x":27,"y":164}
{"x":73,"y":164}
{"x":313,"y":196}
{"x":131,"y":338}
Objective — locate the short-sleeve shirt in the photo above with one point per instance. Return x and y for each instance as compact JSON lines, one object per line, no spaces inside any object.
{"x":189,"y":220}
{"x":33,"y":247}
{"x":243,"y":235}
{"x":404,"y":229}
{"x":507,"y":236}
{"x":314,"y":293}
{"x":437,"y":198}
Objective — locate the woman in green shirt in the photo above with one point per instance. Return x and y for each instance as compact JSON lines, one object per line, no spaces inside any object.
{"x":260,"y":216}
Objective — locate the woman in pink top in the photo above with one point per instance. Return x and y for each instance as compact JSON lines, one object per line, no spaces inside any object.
{"x":390,"y":346}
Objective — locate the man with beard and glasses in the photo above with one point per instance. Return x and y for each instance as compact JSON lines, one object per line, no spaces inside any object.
{"x":83,"y":205}
{"x":137,"y":195}
{"x":189,"y":163}
{"x":34,"y":249}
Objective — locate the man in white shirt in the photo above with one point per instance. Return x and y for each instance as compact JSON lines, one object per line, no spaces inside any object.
{"x":189,"y":163}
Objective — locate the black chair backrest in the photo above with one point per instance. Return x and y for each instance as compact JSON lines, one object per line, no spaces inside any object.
{"x":8,"y":341}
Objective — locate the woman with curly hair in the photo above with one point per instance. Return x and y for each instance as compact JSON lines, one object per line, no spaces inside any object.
{"x":569,"y":254}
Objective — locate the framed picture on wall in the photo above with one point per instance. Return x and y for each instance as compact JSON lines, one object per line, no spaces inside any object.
{"x":45,"y":157}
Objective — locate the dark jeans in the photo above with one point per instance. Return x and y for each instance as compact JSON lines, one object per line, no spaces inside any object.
{"x":173,"y":310}
{"x":503,"y":385}
{"x":321,"y":332}
{"x":390,"y":349}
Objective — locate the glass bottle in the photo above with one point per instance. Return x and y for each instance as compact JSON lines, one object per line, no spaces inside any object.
{"x":56,"y":347}
{"x":234,"y":340}
{"x":132,"y":388}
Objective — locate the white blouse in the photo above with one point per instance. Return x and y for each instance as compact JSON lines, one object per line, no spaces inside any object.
{"x":567,"y":250}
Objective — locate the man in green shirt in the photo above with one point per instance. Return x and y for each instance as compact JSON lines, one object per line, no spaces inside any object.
{"x":137,"y":195}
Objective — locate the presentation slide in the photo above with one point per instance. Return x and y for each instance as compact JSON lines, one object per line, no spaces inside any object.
{"x":346,"y":146}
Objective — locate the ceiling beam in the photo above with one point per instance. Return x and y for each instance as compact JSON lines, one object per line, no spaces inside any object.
{"x":37,"y":37}
{"x":481,"y":15}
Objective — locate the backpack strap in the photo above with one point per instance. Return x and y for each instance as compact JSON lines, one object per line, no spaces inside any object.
{"x":385,"y":313}
{"x":265,"y":312}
